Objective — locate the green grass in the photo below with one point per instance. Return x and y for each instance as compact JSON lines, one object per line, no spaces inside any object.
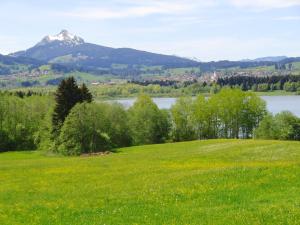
{"x":208,"y":182}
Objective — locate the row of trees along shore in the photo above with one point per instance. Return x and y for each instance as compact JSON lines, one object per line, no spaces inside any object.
{"x":71,"y":123}
{"x":289,"y":83}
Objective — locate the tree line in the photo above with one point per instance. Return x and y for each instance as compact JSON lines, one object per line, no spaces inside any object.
{"x":20,"y":120}
{"x":283,"y":126}
{"x":161,"y":83}
{"x":287,"y":83}
{"x":90,"y":127}
{"x":71,"y":123}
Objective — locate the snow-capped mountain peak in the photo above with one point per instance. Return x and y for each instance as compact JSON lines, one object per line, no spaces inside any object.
{"x":63,"y":36}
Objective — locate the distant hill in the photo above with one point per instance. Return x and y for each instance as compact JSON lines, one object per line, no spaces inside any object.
{"x":10,"y":64}
{"x":9,"y":60}
{"x":68,"y":49}
{"x":267,"y":59}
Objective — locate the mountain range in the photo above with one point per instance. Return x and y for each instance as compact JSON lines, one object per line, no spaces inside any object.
{"x":68,"y":52}
{"x":267,"y":59}
{"x":68,"y":49}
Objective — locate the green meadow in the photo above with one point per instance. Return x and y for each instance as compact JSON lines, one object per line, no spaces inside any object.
{"x":201,"y":182}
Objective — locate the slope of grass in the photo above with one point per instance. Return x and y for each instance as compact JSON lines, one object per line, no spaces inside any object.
{"x":207,"y":182}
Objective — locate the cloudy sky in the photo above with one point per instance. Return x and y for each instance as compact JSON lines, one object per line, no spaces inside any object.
{"x":205,"y":29}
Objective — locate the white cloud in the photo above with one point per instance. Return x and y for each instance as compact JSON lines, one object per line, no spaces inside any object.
{"x":288,"y":18}
{"x":119,"y":9}
{"x":184,"y":20}
{"x":134,"y":11}
{"x":202,"y":3}
{"x":265,"y":4}
{"x":139,"y":9}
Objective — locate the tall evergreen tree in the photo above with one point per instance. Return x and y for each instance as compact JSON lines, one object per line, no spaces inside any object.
{"x":85,"y":94}
{"x":67,"y":96}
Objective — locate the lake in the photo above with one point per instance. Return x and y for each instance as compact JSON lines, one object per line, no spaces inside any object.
{"x":275,"y":104}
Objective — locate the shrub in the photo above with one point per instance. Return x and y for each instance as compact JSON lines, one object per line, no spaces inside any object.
{"x":148,"y":124}
{"x":283,"y":126}
{"x":84,"y":131}
{"x":183,"y":126}
{"x":93,"y":127}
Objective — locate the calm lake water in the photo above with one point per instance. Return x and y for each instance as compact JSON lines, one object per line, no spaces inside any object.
{"x":275,"y":104}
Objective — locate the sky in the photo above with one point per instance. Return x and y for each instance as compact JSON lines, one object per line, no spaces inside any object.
{"x":203,"y":29}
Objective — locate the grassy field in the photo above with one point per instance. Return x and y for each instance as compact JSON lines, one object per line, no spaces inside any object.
{"x":207,"y":182}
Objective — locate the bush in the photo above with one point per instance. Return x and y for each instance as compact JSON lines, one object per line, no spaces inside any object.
{"x":283,"y":126}
{"x":267,"y":128}
{"x":83,"y":131}
{"x":5,"y":142}
{"x":231,"y":113}
{"x":183,"y":126}
{"x":118,"y":125}
{"x":20,"y":119}
{"x":92,"y":127}
{"x":148,"y":124}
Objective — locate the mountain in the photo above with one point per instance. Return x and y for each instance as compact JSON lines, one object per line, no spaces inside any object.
{"x":67,"y":53}
{"x":9,"y":65}
{"x":267,"y":59}
{"x":9,"y":60}
{"x":271,"y":59}
{"x":68,"y":49}
{"x":64,"y":36}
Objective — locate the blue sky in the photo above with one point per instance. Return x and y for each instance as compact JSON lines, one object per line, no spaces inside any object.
{"x":205,"y":29}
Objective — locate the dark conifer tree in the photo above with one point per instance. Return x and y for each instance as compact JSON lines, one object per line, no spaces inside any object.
{"x":66,"y":97}
{"x":85,"y":94}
